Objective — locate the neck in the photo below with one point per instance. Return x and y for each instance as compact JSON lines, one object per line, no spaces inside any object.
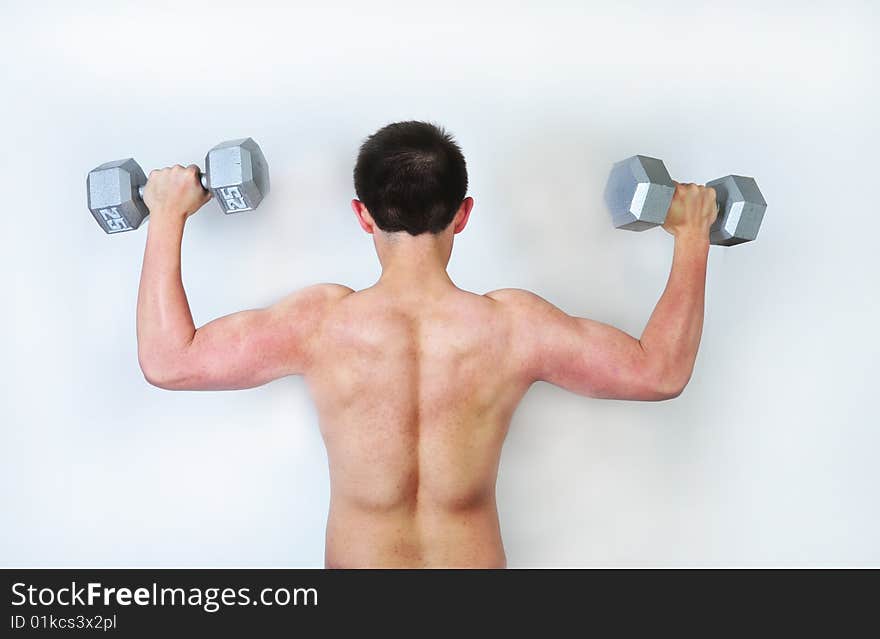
{"x":414,"y":263}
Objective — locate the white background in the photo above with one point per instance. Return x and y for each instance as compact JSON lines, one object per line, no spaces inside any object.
{"x":770,"y":457}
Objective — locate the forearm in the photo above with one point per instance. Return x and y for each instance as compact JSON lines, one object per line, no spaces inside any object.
{"x":164,"y":323}
{"x":672,"y":336}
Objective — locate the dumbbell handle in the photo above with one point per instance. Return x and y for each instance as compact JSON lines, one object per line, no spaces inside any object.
{"x":203,"y":178}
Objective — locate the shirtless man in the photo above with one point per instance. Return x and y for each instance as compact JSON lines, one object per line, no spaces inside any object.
{"x":415,"y":380}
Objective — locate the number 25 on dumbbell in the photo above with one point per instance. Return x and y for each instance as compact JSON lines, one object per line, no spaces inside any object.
{"x":236,"y":174}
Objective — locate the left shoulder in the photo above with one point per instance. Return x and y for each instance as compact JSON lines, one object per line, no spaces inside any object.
{"x":316,"y":296}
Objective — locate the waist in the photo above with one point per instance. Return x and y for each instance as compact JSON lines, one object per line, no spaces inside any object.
{"x":413,"y":535}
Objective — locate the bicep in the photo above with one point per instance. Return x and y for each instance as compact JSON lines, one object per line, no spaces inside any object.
{"x":594,"y":359}
{"x":253,"y":347}
{"x":241,"y":350}
{"x":581,"y":355}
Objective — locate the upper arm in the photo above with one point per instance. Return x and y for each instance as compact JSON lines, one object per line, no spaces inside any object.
{"x":579,"y":354}
{"x":253,"y":347}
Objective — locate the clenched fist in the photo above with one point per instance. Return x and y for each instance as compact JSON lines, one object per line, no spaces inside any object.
{"x":175,"y":190}
{"x":693,"y":210}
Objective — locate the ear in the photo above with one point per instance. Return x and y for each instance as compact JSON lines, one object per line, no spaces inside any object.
{"x":463,"y":215}
{"x":363,"y":216}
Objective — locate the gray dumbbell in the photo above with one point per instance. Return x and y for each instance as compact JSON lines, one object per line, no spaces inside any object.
{"x":639,"y":192}
{"x":236,"y":174}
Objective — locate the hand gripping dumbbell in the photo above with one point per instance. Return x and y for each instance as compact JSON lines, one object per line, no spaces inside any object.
{"x":235,"y":173}
{"x":639,"y":192}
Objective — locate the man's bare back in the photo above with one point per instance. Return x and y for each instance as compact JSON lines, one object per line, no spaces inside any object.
{"x":414,"y":379}
{"x":414,"y":397}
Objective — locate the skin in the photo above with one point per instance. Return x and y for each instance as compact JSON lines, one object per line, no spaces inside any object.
{"x":415,"y":380}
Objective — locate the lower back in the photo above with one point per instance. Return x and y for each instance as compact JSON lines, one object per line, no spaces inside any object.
{"x":422,"y":536}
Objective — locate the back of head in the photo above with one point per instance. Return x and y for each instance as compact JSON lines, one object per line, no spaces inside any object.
{"x":412,"y":177}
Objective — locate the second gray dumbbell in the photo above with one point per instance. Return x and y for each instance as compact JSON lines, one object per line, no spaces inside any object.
{"x":639,"y":193}
{"x":235,"y":173}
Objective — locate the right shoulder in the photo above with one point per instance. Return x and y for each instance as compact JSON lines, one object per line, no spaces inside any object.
{"x":531,"y":319}
{"x":511,"y":295}
{"x":520,"y":300}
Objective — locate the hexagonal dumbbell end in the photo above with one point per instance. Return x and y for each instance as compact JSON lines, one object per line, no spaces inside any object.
{"x":638,"y":193}
{"x":113,"y":195}
{"x":238,"y":175}
{"x":740,"y":210}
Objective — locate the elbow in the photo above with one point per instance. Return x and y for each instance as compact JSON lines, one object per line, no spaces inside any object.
{"x":669,"y":383}
{"x":671,"y":387}
{"x":159,"y":377}
{"x":161,"y":373}
{"x":671,"y":392}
